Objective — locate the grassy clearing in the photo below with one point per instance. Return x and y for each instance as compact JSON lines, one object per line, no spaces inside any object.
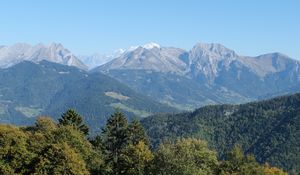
{"x":136,"y":112}
{"x":116,"y":95}
{"x":29,"y":111}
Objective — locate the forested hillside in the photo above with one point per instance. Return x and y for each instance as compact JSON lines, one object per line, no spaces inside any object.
{"x":268,"y":129}
{"x":28,"y":90}
{"x":122,"y":148}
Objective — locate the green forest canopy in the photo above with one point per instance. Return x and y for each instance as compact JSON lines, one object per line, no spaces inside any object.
{"x":270,"y":129}
{"x":122,"y":148}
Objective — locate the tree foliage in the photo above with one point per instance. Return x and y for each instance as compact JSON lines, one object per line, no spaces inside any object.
{"x":123,"y":144}
{"x":72,"y":118}
{"x":121,"y":149}
{"x":59,"y":159}
{"x":137,"y":133}
{"x":185,"y":157}
{"x":15,"y":154}
{"x":46,"y":148}
{"x":268,"y":170}
{"x":136,"y":158}
{"x":237,"y":163}
{"x":270,"y":129}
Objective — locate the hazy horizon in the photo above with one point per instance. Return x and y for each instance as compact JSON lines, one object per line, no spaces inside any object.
{"x":250,"y":28}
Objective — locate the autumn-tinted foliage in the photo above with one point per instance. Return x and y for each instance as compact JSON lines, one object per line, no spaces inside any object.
{"x":35,"y":151}
{"x":121,"y":149}
{"x":185,"y":157}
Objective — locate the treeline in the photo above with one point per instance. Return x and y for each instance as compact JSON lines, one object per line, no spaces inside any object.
{"x":122,"y":148}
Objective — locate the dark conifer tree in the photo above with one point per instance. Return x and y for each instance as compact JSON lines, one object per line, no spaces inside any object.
{"x":137,"y":133}
{"x":115,"y":139}
{"x":72,"y":118}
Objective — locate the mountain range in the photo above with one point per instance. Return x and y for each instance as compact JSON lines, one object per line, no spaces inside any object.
{"x":207,"y":74}
{"x":149,"y":80}
{"x":34,"y":79}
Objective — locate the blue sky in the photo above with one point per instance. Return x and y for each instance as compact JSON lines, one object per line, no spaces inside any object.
{"x":249,"y":27}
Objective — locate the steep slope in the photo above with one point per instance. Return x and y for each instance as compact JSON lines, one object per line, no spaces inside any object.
{"x":258,"y":76}
{"x":55,"y":52}
{"x":215,"y":73}
{"x":268,"y":129}
{"x":29,"y":89}
{"x":206,"y":60}
{"x":150,"y":57}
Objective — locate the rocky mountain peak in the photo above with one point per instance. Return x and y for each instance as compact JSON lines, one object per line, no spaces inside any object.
{"x":150,"y":56}
{"x":211,"y":51}
{"x":54,"y":52}
{"x":204,"y":61}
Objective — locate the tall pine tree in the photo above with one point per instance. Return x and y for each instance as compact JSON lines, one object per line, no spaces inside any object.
{"x":72,"y":118}
{"x":137,"y":133}
{"x":115,"y":139}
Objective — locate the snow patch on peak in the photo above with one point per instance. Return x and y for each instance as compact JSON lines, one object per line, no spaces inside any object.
{"x":119,"y":51}
{"x":148,"y":46}
{"x":151,"y":45}
{"x":131,"y":48}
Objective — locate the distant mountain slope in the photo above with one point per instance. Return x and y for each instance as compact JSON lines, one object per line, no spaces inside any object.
{"x":212,"y":67}
{"x":175,"y":90}
{"x":29,"y":89}
{"x":269,"y":129}
{"x":96,"y":60}
{"x":55,"y":52}
{"x":150,"y":58}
